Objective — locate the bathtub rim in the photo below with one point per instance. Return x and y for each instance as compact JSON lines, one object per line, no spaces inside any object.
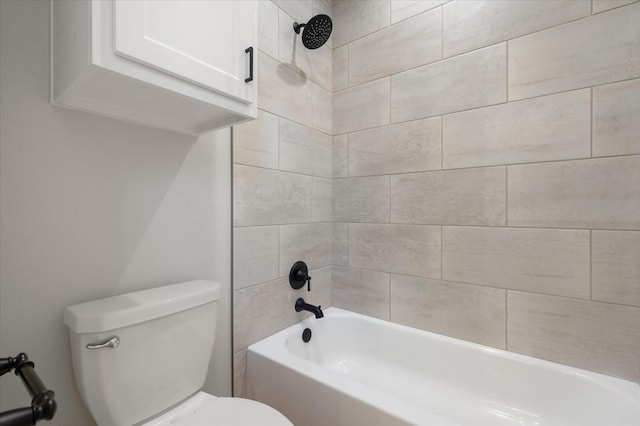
{"x":274,"y":348}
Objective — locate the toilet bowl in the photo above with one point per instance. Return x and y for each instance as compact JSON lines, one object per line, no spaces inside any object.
{"x":142,"y":358}
{"x":204,"y":409}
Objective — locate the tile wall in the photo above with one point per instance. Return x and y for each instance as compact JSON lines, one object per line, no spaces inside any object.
{"x":486,"y":173}
{"x":282,"y":180}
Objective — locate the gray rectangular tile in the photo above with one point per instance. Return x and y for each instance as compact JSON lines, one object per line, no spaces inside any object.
{"x":616,"y":267}
{"x":603,"y":5}
{"x":453,"y":197}
{"x":599,"y":193}
{"x":297,"y":9}
{"x":255,"y":142}
{"x":340,"y":67}
{"x":322,"y":109}
{"x":469,"y":25}
{"x":255,"y":255}
{"x":556,"y":127}
{"x":340,"y":248}
{"x":616,"y":127}
{"x":417,"y":41}
{"x":361,"y":107}
{"x":269,"y":197}
{"x":550,"y":261}
{"x":591,"y":335}
{"x":402,"y":249}
{"x":356,"y":18}
{"x":322,"y":200}
{"x":362,"y":291}
{"x":403,"y":9}
{"x":363,"y":199}
{"x":340,"y":157}
{"x":469,"y":312}
{"x":599,"y":49}
{"x":467,"y":81}
{"x":321,"y":287}
{"x":262,"y":310}
{"x":304,"y":150}
{"x":309,"y":242}
{"x":401,"y":148}
{"x":268,"y":28}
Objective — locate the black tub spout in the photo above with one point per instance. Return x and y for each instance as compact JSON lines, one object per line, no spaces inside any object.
{"x":301,"y":305}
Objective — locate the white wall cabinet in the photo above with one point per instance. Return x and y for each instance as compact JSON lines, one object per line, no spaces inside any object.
{"x":181,"y":65}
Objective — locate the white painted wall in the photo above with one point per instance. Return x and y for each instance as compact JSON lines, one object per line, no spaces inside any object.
{"x":91,"y":207}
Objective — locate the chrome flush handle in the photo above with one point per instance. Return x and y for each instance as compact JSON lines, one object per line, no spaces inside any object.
{"x":112,"y":343}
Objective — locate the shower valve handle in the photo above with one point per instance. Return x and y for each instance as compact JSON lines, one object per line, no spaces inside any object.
{"x":302,"y":277}
{"x":308,"y":283}
{"x":299,"y":276}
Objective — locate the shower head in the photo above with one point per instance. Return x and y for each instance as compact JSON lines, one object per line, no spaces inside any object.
{"x":316,"y":32}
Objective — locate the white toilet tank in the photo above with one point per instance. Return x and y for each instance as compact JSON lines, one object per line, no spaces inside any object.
{"x":166,"y":338}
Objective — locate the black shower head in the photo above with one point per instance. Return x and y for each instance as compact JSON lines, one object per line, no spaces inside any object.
{"x":316,"y":32}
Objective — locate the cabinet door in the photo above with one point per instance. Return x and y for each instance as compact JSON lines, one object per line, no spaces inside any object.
{"x":199,"y":41}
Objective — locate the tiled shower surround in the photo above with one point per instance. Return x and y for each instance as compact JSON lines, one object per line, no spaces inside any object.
{"x":482,"y":180}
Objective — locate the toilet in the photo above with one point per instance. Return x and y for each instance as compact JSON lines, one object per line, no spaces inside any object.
{"x":141,"y":359}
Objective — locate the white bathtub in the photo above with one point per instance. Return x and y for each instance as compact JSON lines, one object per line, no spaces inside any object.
{"x":358,"y":370}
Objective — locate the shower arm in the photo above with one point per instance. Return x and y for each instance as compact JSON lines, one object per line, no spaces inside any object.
{"x":297,"y":27}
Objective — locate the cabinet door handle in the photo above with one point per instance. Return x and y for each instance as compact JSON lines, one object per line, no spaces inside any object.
{"x":249,"y":50}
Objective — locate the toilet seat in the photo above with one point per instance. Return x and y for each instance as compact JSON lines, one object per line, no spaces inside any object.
{"x":204,"y":409}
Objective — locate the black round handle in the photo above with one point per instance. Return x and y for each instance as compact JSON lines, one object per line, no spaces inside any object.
{"x":299,"y":275}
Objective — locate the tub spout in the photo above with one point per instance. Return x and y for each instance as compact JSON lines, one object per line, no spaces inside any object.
{"x":301,"y":305}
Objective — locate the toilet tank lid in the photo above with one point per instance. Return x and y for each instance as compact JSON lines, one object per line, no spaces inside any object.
{"x":131,"y":308}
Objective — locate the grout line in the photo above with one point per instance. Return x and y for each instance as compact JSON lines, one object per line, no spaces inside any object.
{"x":590,"y":264}
{"x":572,"y":89}
{"x":389,"y":300}
{"x":441,"y":32}
{"x":442,"y":253}
{"x":551,"y":228}
{"x":506,"y":196}
{"x":271,"y":169}
{"x":478,"y":48}
{"x":389,"y":198}
{"x":313,"y":198}
{"x":232,"y":272}
{"x":391,"y":24}
{"x":506,"y":67}
{"x":348,"y":47}
{"x":506,"y":319}
{"x":278,"y":263}
{"x":491,"y":105}
{"x":442,"y":142}
{"x":508,"y":290}
{"x":591,"y":122}
{"x":279,"y":150}
{"x":478,"y":166}
{"x":608,"y":10}
{"x":390,"y":95}
{"x":348,"y":245}
{"x":348,"y":157}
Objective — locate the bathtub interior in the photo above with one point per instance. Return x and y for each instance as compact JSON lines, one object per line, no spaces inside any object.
{"x":470,"y":383}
